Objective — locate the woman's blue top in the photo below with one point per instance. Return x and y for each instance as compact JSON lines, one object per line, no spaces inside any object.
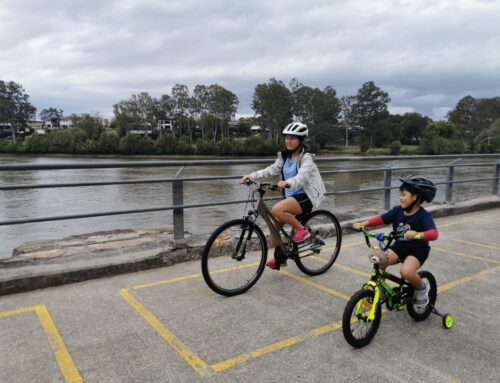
{"x":289,"y":171}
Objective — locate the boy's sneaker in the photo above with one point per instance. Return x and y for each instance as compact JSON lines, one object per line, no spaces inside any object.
{"x":422,"y":296}
{"x":273,"y":264}
{"x":301,"y":235}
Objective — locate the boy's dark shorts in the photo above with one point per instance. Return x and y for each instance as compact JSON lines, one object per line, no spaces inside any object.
{"x":404,"y":251}
{"x":304,"y":202}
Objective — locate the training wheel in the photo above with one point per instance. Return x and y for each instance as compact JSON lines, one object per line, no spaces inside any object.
{"x":447,"y":321}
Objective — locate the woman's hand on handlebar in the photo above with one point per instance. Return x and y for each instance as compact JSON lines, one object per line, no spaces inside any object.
{"x":283,"y":185}
{"x":244,"y":179}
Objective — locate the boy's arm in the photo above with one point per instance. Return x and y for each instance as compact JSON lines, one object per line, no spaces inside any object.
{"x":373,"y":221}
{"x":430,"y":235}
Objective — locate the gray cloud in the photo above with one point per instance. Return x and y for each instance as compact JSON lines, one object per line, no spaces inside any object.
{"x":85,"y":56}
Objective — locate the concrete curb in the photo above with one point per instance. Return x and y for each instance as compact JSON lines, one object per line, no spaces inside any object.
{"x":25,"y":277}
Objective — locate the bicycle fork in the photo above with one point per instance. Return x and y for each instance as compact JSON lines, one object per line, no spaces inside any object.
{"x":376,"y":298}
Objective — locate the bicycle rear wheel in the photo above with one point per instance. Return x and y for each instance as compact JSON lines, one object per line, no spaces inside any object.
{"x":358,"y":330}
{"x":234,"y":257}
{"x":421,"y":313}
{"x":318,"y":255}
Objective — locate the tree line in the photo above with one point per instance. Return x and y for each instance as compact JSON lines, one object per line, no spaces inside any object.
{"x":201,"y":122}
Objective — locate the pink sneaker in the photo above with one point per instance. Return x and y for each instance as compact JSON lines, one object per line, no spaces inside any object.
{"x":301,"y":235}
{"x":273,"y":264}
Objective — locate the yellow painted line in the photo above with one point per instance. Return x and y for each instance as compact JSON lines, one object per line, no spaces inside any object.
{"x":16,"y":312}
{"x":316,"y":285}
{"x":352,"y":270}
{"x":469,"y":278}
{"x":453,"y":223}
{"x":192,"y":276}
{"x":484,"y":245}
{"x":63,"y":358}
{"x":189,"y":356}
{"x":221,"y":366}
{"x":460,"y":254}
{"x":173,"y":280}
{"x":343,"y":267}
{"x":66,"y":365}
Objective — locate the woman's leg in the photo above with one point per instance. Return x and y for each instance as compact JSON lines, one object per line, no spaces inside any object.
{"x":285,"y":212}
{"x":409,"y":271}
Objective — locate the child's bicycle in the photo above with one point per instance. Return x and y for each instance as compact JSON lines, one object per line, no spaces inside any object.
{"x":363,"y":313}
{"x":235,"y":255}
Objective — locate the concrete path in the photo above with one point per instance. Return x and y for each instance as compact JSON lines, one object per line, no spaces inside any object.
{"x":165,"y":325}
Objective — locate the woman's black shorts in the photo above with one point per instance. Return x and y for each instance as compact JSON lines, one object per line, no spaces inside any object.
{"x":304,"y":202}
{"x":404,"y":251}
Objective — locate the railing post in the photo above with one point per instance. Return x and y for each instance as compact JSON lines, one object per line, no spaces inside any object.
{"x":449,"y":181}
{"x":494,"y":183}
{"x":178,"y":200}
{"x":387,"y":185}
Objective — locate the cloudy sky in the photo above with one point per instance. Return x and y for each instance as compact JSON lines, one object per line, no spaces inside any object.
{"x":84,"y":56}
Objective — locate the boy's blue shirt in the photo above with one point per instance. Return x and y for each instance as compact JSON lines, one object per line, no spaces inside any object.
{"x":419,"y":221}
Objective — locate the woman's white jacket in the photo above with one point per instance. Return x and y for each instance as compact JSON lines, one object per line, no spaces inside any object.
{"x":308,"y":176}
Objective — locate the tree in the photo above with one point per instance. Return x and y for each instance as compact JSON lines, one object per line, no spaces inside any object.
{"x":314,"y":106}
{"x":15,"y":107}
{"x":473,"y":117}
{"x":91,"y":125}
{"x":442,"y":137}
{"x":274,"y":103}
{"x":140,"y":112}
{"x":347,"y":117}
{"x":53,"y":115}
{"x":370,"y":107}
{"x":463,"y":116}
{"x":223,"y":107}
{"x":413,"y":126}
{"x":180,"y":101}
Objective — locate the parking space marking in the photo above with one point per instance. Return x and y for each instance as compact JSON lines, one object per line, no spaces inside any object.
{"x":189,"y":356}
{"x":477,"y":244}
{"x":63,"y":358}
{"x":454,"y":223}
{"x":218,"y":367}
{"x":460,"y":254}
{"x":468,"y":278}
{"x":203,"y":369}
{"x":315,"y":285}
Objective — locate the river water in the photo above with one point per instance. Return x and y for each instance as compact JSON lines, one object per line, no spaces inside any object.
{"x":19,"y":204}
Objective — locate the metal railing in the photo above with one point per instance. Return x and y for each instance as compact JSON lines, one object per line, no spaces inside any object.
{"x":178,"y":181}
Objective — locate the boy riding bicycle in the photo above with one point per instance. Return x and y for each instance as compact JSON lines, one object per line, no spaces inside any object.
{"x":300,"y":181}
{"x":410,"y":219}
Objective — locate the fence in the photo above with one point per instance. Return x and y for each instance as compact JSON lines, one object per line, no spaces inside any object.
{"x":178,"y":181}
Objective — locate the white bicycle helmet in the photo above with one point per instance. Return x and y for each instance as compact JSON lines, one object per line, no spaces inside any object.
{"x":296,"y":129}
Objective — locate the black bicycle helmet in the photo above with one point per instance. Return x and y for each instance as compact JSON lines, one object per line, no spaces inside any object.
{"x":421,"y":186}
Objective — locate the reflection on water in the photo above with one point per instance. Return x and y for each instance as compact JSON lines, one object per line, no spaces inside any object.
{"x":18,"y":204}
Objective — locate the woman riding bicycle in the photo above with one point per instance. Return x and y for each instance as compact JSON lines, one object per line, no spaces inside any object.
{"x":300,"y":182}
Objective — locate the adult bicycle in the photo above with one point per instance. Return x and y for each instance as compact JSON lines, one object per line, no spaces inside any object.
{"x":235,"y":254}
{"x":363,"y":312}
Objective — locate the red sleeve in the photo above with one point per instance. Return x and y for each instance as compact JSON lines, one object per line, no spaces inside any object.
{"x":376,"y":221}
{"x":430,"y":235}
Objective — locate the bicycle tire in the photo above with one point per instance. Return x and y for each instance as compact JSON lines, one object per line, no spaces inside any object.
{"x":227,"y":271}
{"x":326,"y":226}
{"x":414,"y":312}
{"x":360,"y":319}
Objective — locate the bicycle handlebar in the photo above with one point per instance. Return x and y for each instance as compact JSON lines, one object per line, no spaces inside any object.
{"x":384,"y":236}
{"x":260,"y":186}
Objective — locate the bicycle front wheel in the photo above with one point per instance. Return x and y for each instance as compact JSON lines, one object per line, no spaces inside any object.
{"x":358,"y":330}
{"x":234,"y":257}
{"x":318,"y":255}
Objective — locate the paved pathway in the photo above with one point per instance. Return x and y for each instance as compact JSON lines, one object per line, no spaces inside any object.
{"x":165,"y":325}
